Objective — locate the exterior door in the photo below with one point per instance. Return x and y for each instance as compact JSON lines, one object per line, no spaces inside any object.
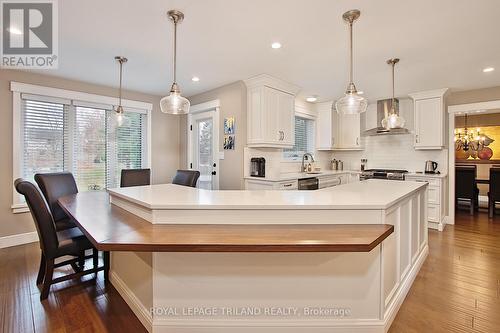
{"x":203,"y":146}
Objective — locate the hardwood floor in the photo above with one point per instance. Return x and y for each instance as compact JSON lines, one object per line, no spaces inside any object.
{"x":72,"y":306}
{"x":457,"y":289}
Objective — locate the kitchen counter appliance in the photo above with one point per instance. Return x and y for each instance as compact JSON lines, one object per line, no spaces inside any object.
{"x":430,"y":167}
{"x":309,"y":183}
{"x":383,"y":174}
{"x":258,"y":167}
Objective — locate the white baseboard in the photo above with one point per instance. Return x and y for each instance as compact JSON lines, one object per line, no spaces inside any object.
{"x":18,"y":239}
{"x":141,"y":312}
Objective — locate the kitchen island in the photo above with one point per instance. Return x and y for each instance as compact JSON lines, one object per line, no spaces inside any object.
{"x":310,"y":286}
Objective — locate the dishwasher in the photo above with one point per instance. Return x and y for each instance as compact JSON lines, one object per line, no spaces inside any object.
{"x":309,"y":183}
{"x":329,"y":182}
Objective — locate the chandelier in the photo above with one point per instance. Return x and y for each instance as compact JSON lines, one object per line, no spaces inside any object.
{"x":467,"y":139}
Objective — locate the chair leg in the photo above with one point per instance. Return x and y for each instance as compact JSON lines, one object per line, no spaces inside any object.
{"x":106,"y":265}
{"x":95,"y":258}
{"x":472,"y":208}
{"x":81,"y":261}
{"x":47,"y":280}
{"x":41,"y":270}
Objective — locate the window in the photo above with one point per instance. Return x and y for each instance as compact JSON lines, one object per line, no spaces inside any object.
{"x":57,"y":134}
{"x":304,"y":139}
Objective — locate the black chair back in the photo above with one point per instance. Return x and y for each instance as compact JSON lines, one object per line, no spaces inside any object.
{"x":41,"y":214}
{"x":56,"y":185}
{"x":135,"y":177}
{"x":495,"y":183}
{"x":465,"y":182}
{"x":186,"y":177}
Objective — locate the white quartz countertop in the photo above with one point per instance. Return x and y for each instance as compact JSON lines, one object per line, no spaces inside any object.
{"x":302,"y":175}
{"x":426,"y":175}
{"x":368,"y":194}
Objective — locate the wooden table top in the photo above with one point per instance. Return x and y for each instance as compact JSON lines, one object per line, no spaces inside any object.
{"x":111,"y":228}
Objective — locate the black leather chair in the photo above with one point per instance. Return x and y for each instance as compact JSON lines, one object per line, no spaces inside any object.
{"x":53,"y":186}
{"x":55,"y":244}
{"x":494,"y":192}
{"x":135,"y":177}
{"x":466,"y":186}
{"x":186,"y":177}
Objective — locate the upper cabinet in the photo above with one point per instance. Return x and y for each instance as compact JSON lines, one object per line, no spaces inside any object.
{"x":337,"y":132}
{"x":270,"y":112}
{"x":429,"y":113}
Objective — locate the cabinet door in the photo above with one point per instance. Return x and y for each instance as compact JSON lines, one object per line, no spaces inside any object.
{"x":428,"y":123}
{"x":324,"y":123}
{"x":286,"y":118}
{"x":271,"y":117}
{"x":349,"y":131}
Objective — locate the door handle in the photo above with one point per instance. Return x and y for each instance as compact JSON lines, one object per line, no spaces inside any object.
{"x":214,"y":173}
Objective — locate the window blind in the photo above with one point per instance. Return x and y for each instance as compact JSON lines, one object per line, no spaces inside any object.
{"x":85,"y":139}
{"x":44,"y":137}
{"x":304,"y":139}
{"x":89,"y":161}
{"x":125,"y":145}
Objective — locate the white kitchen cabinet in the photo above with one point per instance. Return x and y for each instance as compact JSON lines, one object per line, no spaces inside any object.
{"x":429,"y":117}
{"x":251,"y":184}
{"x":337,"y":132}
{"x":270,"y":112}
{"x":435,"y":199}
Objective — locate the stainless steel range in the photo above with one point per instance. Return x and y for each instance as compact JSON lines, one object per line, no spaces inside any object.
{"x":383,"y":174}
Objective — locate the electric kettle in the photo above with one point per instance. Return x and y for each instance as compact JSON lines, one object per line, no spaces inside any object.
{"x":430,"y":166}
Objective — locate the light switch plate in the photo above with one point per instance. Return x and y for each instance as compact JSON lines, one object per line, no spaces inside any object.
{"x":221,"y":155}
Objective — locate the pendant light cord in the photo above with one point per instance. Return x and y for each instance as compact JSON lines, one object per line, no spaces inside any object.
{"x":120,"y":90}
{"x":393,"y":107}
{"x":175,"y":52}
{"x":351,"y":56}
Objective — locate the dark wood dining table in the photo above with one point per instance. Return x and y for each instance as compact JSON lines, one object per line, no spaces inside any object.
{"x":482,"y":181}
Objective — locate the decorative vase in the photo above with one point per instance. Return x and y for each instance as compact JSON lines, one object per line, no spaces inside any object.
{"x":486,"y":153}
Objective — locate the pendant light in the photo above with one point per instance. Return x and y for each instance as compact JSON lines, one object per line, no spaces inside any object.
{"x":175,"y":103}
{"x":352,"y":102}
{"x":119,"y":109}
{"x":393,"y":119}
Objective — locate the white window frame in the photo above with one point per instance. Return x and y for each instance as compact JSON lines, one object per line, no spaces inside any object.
{"x":306,"y":115}
{"x":18,"y":88}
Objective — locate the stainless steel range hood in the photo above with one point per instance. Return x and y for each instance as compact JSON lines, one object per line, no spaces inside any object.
{"x":383,"y":107}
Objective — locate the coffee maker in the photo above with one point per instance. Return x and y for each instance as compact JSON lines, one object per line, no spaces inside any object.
{"x":258,"y":167}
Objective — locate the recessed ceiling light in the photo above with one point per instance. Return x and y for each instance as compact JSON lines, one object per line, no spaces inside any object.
{"x":488,"y":69}
{"x":276,"y":45}
{"x":195,"y":79}
{"x":14,"y":31}
{"x":311,"y":99}
{"x":361,"y":92}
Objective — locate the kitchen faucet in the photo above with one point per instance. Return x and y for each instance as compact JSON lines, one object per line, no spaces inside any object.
{"x":306,"y":155}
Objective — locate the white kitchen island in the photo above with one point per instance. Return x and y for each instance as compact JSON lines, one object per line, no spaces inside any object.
{"x":269,"y":291}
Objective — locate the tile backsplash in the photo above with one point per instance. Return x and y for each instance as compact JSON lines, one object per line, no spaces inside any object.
{"x":389,"y":151}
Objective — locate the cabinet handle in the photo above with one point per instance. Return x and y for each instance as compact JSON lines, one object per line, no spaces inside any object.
{"x":357,"y":141}
{"x":416,"y":138}
{"x":287,"y":185}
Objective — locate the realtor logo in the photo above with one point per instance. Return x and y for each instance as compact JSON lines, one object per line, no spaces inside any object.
{"x":29,"y":34}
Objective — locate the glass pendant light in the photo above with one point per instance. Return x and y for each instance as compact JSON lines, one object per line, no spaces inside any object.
{"x":175,"y":103}
{"x":393,"y":119}
{"x":119,"y":109}
{"x":352,"y":102}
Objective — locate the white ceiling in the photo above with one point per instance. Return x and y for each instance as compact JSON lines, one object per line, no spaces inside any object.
{"x":443,"y":43}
